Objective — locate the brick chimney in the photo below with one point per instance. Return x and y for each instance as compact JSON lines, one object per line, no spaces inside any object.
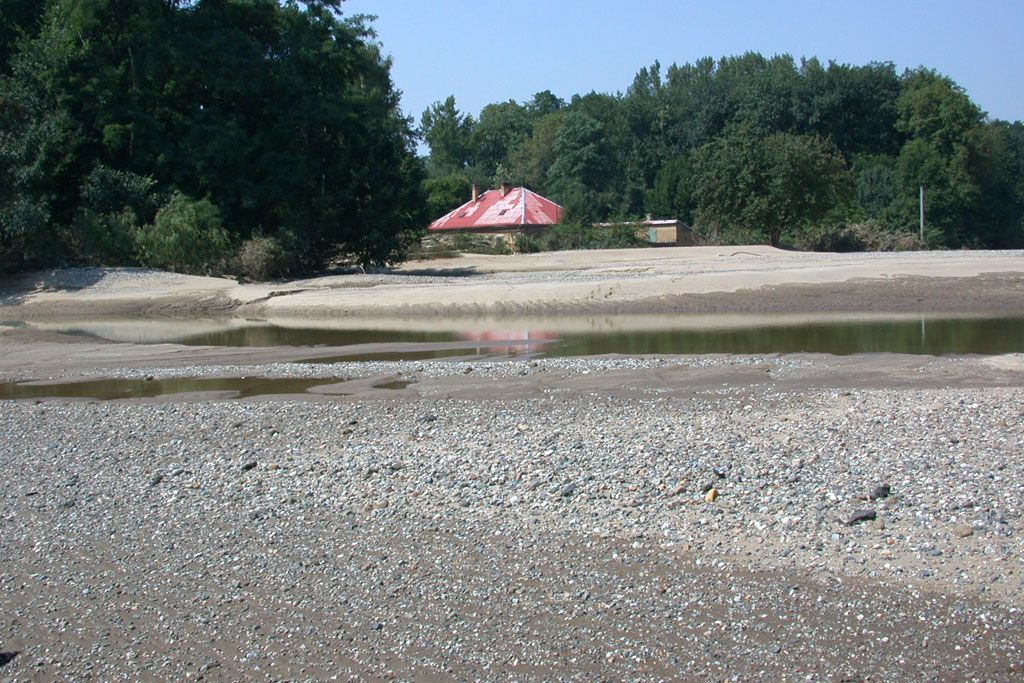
{"x":476,"y":192}
{"x":505,"y":188}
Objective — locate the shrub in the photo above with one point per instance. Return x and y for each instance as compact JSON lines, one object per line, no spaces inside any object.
{"x":477,"y":244}
{"x":26,"y":238}
{"x":114,"y":204}
{"x":862,"y":236}
{"x":187,"y":237}
{"x":577,"y":236}
{"x":264,"y":258}
{"x":527,"y":244}
{"x":107,"y":239}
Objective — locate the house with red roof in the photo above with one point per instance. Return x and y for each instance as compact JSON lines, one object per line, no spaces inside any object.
{"x":503,"y":211}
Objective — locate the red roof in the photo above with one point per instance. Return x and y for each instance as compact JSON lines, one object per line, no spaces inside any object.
{"x":490,"y":210}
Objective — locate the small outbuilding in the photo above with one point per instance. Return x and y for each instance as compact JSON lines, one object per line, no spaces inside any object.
{"x":502,"y":212}
{"x":666,"y":232}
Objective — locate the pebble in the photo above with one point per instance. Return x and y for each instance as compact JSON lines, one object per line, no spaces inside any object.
{"x":963,"y":530}
{"x":879,"y":492}
{"x":471,"y":518}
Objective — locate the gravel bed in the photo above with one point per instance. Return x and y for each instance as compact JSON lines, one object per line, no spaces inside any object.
{"x":498,"y":368}
{"x":747,"y":532}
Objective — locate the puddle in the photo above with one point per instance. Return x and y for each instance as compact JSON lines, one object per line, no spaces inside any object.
{"x":396,"y":384}
{"x":116,"y":389}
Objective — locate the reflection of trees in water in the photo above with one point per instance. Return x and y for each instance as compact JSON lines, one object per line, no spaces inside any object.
{"x":933,"y":337}
{"x":287,"y":336}
{"x":920,"y":336}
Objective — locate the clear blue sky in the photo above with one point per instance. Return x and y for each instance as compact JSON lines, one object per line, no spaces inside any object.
{"x":490,"y":50}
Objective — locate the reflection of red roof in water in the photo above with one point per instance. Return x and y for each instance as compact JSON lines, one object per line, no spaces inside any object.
{"x":517,"y":340}
{"x":509,"y":335}
{"x":492,"y":210}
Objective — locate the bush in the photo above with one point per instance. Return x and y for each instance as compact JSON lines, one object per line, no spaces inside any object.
{"x":186,"y":237}
{"x":114,"y":204}
{"x":107,"y":239}
{"x":863,"y":236}
{"x":575,"y":236}
{"x":26,"y":238}
{"x":264,"y":258}
{"x":527,"y":244}
{"x":465,"y":242}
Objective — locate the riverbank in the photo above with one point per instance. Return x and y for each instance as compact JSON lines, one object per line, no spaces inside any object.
{"x":681,"y":279}
{"x":539,"y":519}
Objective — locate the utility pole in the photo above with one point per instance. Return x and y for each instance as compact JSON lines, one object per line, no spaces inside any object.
{"x":922,"y":213}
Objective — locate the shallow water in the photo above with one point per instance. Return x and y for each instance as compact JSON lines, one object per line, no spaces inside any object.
{"x":581,"y":336}
{"x":114,"y":389}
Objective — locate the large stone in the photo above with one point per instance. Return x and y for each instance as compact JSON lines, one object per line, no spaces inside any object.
{"x":860,"y":516}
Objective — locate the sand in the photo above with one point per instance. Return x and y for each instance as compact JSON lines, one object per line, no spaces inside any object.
{"x":680,"y":279}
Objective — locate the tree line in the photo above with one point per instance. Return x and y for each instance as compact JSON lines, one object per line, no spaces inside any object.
{"x":265,"y":138}
{"x":753,"y":149}
{"x":209,"y":136}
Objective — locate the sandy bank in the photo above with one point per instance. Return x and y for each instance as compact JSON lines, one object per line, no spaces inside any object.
{"x":684,"y":279}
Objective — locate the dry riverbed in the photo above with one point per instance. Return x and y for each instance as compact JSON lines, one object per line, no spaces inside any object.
{"x":780,"y":517}
{"x":525,"y":519}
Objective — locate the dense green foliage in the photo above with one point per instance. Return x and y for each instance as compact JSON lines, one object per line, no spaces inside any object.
{"x":264,"y":137}
{"x":171,"y":133}
{"x":750,"y":148}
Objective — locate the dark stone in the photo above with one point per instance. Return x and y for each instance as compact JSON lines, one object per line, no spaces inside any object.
{"x":568,"y":490}
{"x":251,"y":465}
{"x":7,"y":657}
{"x":880,"y":491}
{"x":860,"y":516}
{"x":707,"y":487}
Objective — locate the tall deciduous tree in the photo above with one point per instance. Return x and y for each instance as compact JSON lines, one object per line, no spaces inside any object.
{"x":500,"y":129}
{"x":282,"y":115}
{"x":449,"y":134}
{"x":764,"y":186}
{"x":582,"y":160}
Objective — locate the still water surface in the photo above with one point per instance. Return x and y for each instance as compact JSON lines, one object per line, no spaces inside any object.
{"x":554,"y":337}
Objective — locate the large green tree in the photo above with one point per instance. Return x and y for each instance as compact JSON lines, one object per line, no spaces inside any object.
{"x":449,"y":134}
{"x":764,"y":186}
{"x":283,"y":116}
{"x":583,"y":161}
